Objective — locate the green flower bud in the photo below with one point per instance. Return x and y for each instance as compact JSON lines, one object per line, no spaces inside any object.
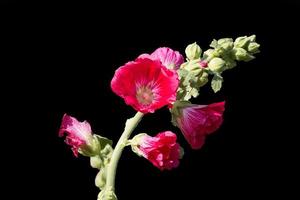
{"x":107,"y":194}
{"x":247,"y":43}
{"x":225,"y":43}
{"x":242,"y":42}
{"x":253,"y":47}
{"x":252,"y":38}
{"x":100,"y":180}
{"x":209,"y":54}
{"x":192,"y":66}
{"x":242,"y":54}
{"x":193,"y":51}
{"x":96,"y":162}
{"x":216,"y":65}
{"x":203,"y":79}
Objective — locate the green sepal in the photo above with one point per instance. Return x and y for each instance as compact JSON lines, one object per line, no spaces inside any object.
{"x":135,"y":141}
{"x":91,"y":149}
{"x":176,"y":110}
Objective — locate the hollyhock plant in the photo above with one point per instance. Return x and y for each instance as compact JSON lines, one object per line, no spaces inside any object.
{"x":152,"y":81}
{"x":197,"y":121}
{"x":162,"y":150}
{"x":168,"y":57}
{"x":145,"y":84}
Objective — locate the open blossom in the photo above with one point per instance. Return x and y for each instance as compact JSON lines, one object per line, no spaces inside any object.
{"x":197,"y":121}
{"x":162,"y":150}
{"x":168,"y":57}
{"x":78,"y":133}
{"x":145,"y":84}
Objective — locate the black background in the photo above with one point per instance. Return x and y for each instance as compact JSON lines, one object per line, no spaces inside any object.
{"x":60,"y":59}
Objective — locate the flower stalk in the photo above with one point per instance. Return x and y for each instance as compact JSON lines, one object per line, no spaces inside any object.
{"x":130,"y":125}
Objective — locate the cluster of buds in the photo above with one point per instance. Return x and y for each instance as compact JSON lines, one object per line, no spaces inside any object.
{"x":150,"y":82}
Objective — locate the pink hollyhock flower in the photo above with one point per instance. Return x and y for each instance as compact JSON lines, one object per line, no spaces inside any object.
{"x":168,"y":57}
{"x":162,"y":150}
{"x":78,"y":133}
{"x":145,"y":84}
{"x":197,"y":121}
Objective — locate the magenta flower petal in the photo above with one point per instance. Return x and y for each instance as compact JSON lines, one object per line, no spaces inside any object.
{"x":145,"y":84}
{"x":78,"y":133}
{"x":162,"y":150}
{"x":168,"y":57}
{"x":197,"y":121}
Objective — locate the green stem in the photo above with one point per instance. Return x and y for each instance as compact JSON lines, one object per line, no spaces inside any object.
{"x":129,"y":127}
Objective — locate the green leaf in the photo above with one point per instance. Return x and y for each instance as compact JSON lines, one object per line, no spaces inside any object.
{"x":216,"y":82}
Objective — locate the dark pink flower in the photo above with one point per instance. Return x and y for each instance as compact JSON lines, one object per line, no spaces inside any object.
{"x":168,"y":57}
{"x":197,"y":121}
{"x":162,"y":150}
{"x":145,"y":84}
{"x":78,"y":133}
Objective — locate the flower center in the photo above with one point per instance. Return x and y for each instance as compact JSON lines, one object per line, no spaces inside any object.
{"x":144,"y":95}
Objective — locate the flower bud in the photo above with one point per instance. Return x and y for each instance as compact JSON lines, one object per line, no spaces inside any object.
{"x":100,"y":180}
{"x":209,"y":54}
{"x":193,"y":51}
{"x":192,"y":66}
{"x":203,"y":79}
{"x":253,"y":47}
{"x":107,"y":194}
{"x":242,"y":54}
{"x":96,"y":162}
{"x":225,"y":43}
{"x":247,"y":43}
{"x":217,"y":65}
{"x":242,"y":42}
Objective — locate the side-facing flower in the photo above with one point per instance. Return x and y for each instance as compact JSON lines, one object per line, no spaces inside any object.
{"x":197,"y":121}
{"x":168,"y":57}
{"x":79,"y":135}
{"x":145,"y":84}
{"x":162,"y":150}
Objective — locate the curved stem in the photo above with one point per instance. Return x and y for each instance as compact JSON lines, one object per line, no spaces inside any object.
{"x":129,"y":127}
